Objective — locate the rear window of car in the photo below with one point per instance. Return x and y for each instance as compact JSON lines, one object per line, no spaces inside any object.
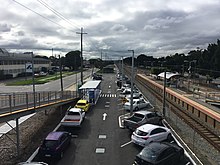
{"x":149,"y":153}
{"x":81,"y":104}
{"x":138,"y":115}
{"x":72,"y":113}
{"x":50,"y":143}
{"x":141,"y":133}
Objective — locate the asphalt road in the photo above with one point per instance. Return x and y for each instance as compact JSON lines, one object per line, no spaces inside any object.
{"x":100,"y":134}
{"x":50,"y":86}
{"x":100,"y":140}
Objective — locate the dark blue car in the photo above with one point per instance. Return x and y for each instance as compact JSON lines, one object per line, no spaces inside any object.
{"x":55,"y":144}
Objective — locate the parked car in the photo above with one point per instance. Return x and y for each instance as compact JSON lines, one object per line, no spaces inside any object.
{"x":55,"y":144}
{"x":127,"y":91}
{"x":40,"y":74}
{"x":160,"y":154}
{"x":137,"y":104}
{"x":73,"y":118}
{"x":136,"y":95}
{"x":83,"y":104}
{"x":32,"y":163}
{"x":148,"y":133}
{"x":140,"y":118}
{"x":97,"y":76}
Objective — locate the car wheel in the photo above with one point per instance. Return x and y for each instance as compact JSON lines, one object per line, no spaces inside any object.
{"x":169,"y":137}
{"x":136,"y":108}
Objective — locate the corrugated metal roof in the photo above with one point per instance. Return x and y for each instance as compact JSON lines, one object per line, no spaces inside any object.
{"x":90,"y":84}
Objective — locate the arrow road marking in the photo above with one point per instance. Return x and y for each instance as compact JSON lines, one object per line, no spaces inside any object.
{"x":104,"y":116}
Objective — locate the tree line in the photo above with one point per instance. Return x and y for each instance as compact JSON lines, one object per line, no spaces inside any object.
{"x":200,"y":61}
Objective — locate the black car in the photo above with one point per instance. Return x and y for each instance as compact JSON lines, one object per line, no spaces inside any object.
{"x":160,"y":153}
{"x":55,"y":144}
{"x":97,"y":76}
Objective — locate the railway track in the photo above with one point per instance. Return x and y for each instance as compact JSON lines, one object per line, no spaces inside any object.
{"x":201,"y":129}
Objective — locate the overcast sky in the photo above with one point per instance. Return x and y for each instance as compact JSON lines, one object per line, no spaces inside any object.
{"x":152,"y":27}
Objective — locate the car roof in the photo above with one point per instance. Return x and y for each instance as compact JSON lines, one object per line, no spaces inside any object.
{"x":156,"y":147}
{"x":74,"y":110}
{"x":81,"y":101}
{"x":54,"y":135}
{"x":148,"y":127}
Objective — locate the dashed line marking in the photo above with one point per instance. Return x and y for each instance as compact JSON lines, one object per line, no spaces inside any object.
{"x":102,"y":136}
{"x":100,"y":150}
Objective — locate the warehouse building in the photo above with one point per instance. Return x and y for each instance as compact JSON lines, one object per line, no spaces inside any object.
{"x":14,"y":64}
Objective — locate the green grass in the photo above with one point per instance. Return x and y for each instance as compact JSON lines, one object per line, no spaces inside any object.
{"x":40,"y":80}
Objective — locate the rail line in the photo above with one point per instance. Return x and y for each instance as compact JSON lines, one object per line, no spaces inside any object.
{"x":201,"y":129}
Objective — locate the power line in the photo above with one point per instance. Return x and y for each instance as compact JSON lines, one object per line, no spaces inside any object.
{"x":57,"y":13}
{"x":38,"y":14}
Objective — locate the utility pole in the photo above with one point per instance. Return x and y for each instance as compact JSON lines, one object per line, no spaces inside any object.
{"x":81,"y":33}
{"x":132,"y":80}
{"x":61,"y":77}
{"x":33,"y":80}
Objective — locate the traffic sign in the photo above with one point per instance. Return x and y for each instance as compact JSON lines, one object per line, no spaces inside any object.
{"x":28,"y":67}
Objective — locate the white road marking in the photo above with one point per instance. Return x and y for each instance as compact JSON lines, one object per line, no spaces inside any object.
{"x":104,"y":116}
{"x":74,"y":136}
{"x":102,"y":136}
{"x":126,"y":144}
{"x":100,"y":150}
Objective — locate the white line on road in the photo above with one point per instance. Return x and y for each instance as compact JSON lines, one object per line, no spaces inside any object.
{"x":104,"y":116}
{"x":126,"y":144}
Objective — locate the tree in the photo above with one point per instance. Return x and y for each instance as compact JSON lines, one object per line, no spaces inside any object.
{"x":72,"y":60}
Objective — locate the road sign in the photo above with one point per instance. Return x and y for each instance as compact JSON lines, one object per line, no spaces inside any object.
{"x":28,"y":67}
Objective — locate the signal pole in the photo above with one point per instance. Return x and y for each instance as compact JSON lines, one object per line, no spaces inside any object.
{"x":81,"y":33}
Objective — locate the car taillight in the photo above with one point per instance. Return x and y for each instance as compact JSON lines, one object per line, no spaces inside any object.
{"x":145,"y":138}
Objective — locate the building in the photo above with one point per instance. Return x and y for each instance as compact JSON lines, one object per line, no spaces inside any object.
{"x":13,"y":64}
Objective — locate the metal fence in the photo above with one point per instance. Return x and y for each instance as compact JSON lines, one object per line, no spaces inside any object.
{"x":10,"y":102}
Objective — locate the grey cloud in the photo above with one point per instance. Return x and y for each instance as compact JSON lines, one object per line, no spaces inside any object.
{"x":5,"y":28}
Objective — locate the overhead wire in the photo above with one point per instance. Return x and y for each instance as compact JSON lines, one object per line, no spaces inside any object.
{"x":38,"y":14}
{"x":57,"y":13}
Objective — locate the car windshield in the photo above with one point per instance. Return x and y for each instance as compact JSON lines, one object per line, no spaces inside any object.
{"x":81,"y":104}
{"x":50,"y":143}
{"x":149,"y":153}
{"x":141,"y":133}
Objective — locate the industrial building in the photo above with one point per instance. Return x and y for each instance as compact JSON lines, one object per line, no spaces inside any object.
{"x":14,"y":64}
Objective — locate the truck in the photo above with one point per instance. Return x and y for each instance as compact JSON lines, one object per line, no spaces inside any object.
{"x":73,"y":117}
{"x":140,"y":118}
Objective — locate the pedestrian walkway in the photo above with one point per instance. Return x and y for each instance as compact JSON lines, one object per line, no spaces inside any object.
{"x":5,"y":128}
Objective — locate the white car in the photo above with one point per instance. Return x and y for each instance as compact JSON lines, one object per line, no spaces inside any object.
{"x":137,"y":104}
{"x":73,"y":118}
{"x":148,"y":133}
